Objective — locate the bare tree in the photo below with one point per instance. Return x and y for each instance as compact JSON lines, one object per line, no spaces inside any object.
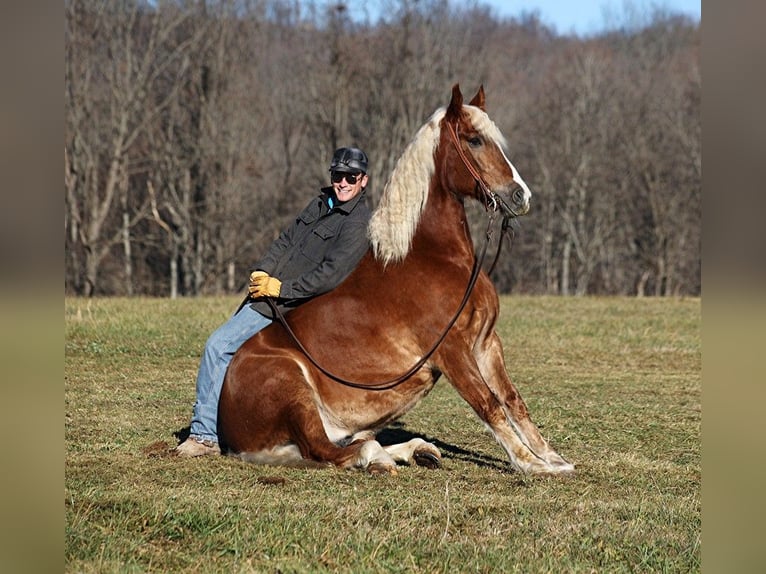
{"x":195,"y":130}
{"x":659,"y":142}
{"x":570,"y":148}
{"x":110,"y":79}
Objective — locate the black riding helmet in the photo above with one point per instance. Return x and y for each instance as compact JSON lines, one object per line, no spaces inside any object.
{"x":349,"y":160}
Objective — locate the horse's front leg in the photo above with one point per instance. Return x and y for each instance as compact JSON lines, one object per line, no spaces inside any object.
{"x":462,"y":369}
{"x":491,"y":363}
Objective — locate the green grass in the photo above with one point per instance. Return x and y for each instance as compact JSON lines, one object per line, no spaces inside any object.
{"x":613,"y":383}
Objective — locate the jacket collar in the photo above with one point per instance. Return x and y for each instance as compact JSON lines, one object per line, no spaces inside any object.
{"x":348,"y":206}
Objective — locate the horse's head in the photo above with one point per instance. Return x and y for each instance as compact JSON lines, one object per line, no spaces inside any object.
{"x":459,"y":150}
{"x":476,"y":146}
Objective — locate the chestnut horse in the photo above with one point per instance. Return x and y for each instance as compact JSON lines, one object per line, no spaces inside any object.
{"x":277,"y":407}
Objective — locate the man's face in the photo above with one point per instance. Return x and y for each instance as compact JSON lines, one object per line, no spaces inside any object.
{"x":343,"y":186}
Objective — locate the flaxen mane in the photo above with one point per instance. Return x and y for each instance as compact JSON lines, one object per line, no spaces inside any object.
{"x":395,"y":220}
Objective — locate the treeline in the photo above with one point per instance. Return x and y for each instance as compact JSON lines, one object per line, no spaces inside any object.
{"x":195,"y":130}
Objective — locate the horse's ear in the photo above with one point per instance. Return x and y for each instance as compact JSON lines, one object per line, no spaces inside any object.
{"x":478,"y":99}
{"x":455,"y":105}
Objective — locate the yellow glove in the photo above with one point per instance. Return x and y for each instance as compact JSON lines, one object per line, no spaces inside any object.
{"x":264,"y":286}
{"x":255,"y":274}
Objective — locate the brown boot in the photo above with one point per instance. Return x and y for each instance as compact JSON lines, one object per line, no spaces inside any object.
{"x":197,"y":447}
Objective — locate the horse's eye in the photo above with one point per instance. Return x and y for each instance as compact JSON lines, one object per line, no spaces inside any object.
{"x":474,"y":141}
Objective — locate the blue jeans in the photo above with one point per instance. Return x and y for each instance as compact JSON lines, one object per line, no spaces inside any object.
{"x":219,"y":350}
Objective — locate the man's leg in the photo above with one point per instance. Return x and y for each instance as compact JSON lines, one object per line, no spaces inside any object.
{"x":219,"y":350}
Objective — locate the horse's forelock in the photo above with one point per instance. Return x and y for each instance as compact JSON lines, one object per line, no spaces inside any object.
{"x":394,"y":221}
{"x":484,"y":124}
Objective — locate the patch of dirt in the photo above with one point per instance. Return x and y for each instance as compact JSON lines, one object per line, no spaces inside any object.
{"x":158,"y":449}
{"x":274,"y":480}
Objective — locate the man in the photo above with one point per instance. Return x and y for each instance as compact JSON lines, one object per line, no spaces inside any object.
{"x":312,"y":256}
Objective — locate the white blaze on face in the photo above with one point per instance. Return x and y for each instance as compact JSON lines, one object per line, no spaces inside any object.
{"x":482,"y":122}
{"x":521,"y":182}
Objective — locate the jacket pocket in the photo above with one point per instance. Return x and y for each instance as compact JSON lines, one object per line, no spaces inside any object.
{"x":307,"y":218}
{"x":317,"y":242}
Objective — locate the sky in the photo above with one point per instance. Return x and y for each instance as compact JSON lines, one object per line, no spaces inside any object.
{"x":581,"y":17}
{"x":587,"y":16}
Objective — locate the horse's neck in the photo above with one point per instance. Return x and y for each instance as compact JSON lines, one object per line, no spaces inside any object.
{"x":443,"y":227}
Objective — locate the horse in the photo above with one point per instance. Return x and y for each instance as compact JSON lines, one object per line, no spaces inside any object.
{"x":280,"y":407}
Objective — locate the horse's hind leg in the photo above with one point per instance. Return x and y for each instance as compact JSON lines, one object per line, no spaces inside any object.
{"x":268,"y":415}
{"x":309,"y":434}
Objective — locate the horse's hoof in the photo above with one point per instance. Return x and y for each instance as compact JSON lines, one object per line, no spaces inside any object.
{"x":566,"y":469}
{"x":377,"y":468}
{"x":427,"y":459}
{"x":563,"y":470}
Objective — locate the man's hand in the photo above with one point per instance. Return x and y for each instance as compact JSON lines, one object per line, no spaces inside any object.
{"x":253,"y":276}
{"x":261,"y":285}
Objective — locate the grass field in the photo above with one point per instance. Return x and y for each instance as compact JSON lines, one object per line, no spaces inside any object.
{"x":613,"y":383}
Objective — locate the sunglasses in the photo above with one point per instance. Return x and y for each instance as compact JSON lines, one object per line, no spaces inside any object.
{"x":351,"y":178}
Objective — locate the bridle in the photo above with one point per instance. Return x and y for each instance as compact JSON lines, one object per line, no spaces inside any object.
{"x":491,"y":202}
{"x":490,"y":198}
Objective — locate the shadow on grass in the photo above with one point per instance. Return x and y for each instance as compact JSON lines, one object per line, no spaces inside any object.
{"x":182,"y":434}
{"x":396,"y":433}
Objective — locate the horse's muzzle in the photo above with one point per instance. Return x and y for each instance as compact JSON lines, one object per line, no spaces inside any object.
{"x":517,"y":202}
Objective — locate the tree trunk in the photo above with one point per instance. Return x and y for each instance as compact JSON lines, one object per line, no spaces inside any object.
{"x":565,"y":256}
{"x":91,"y":272}
{"x":174,"y":268}
{"x":231,"y":281}
{"x":127,"y":252}
{"x":641,"y":287}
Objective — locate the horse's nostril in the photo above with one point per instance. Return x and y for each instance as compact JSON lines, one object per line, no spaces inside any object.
{"x":518,"y":196}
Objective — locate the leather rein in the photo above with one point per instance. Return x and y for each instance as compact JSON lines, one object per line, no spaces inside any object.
{"x":491,"y":203}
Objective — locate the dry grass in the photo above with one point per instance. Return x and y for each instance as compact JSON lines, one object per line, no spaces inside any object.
{"x":615,"y":384}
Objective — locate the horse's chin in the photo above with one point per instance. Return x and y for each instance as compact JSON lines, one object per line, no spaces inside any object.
{"x":511,"y":209}
{"x":523,"y":210}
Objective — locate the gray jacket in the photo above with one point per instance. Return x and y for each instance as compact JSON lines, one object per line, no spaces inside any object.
{"x":317,"y":252}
